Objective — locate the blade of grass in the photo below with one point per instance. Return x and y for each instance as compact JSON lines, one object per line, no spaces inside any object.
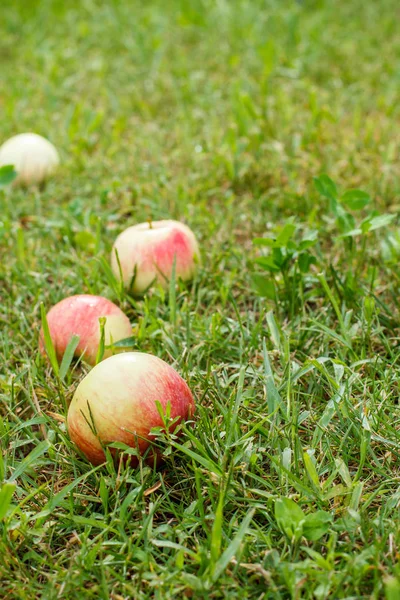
{"x":48,"y":342}
{"x":233,"y":547}
{"x":68,"y":356}
{"x":29,"y":460}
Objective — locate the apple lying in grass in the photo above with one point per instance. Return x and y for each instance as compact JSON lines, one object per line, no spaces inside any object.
{"x":34,"y":158}
{"x":146,"y":252}
{"x":79,"y":315}
{"x":117,"y":402}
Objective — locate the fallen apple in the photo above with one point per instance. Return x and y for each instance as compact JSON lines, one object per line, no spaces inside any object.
{"x":145,"y":253}
{"x":117,"y":402}
{"x":79,"y":315}
{"x":33,"y":157}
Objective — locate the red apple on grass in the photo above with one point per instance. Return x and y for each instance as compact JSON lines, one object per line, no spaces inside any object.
{"x":146,"y":253}
{"x":116,"y":402}
{"x":79,"y":315}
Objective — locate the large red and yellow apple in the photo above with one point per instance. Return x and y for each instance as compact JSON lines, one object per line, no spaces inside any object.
{"x":116,"y":402}
{"x":146,"y":253}
{"x":79,"y":315}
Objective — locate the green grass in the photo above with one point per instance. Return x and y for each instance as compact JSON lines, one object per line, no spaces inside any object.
{"x":219,"y":114}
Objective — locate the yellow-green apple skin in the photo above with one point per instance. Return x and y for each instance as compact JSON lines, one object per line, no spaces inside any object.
{"x":145,"y":253}
{"x":116,"y":402}
{"x":34,"y":158}
{"x":79,"y":315}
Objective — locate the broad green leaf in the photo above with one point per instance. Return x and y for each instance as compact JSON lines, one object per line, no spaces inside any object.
{"x":326,"y":186}
{"x":6,"y":494}
{"x":263,"y":241}
{"x":355,"y":199}
{"x":264,"y":286}
{"x":345,"y":222}
{"x":352,"y":233}
{"x":309,"y":240}
{"x":285,"y":235}
{"x":267,"y":263}
{"x":380,"y":221}
{"x":305,"y":260}
{"x":7,"y":175}
{"x":316,"y":525}
{"x":322,"y":562}
{"x":289,"y":517}
{"x":305,"y":244}
{"x":278,"y":256}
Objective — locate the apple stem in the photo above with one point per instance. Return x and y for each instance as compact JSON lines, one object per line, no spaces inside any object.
{"x":150,"y":223}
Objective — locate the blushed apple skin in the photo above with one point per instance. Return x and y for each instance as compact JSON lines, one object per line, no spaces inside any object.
{"x":34,"y":158}
{"x":118,"y":398}
{"x":150,"y":250}
{"x":79,"y":315}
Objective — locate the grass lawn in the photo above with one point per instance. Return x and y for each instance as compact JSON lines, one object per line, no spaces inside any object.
{"x":246,"y":119}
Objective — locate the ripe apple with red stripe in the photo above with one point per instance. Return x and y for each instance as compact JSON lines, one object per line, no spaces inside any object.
{"x":117,"y":402}
{"x":79,"y":315}
{"x":145,"y":253}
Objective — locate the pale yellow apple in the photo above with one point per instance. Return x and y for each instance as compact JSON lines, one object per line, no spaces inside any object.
{"x":34,"y":158}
